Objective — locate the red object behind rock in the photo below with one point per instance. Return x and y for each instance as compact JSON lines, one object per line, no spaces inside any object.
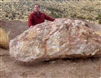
{"x":34,"y":18}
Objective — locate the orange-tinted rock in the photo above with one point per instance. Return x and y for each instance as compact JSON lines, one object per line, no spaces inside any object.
{"x":63,"y":38}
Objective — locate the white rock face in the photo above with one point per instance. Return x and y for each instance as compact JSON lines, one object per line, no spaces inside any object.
{"x":63,"y":38}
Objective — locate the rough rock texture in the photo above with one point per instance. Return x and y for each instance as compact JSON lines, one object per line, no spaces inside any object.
{"x":63,"y":38}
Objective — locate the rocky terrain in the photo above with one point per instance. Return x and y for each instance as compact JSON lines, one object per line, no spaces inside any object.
{"x":89,"y":10}
{"x":62,"y":38}
{"x":59,"y":68}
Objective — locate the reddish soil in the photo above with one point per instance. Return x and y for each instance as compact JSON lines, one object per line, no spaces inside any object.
{"x":60,"y":68}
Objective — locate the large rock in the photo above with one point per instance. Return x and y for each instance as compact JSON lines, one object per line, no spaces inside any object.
{"x":63,"y":38}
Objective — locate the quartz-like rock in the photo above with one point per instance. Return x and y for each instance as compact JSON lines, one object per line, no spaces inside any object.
{"x":62,"y":38}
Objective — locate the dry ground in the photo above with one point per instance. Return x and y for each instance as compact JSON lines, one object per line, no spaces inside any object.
{"x":60,"y":68}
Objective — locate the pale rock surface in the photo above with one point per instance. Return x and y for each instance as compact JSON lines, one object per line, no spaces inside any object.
{"x":63,"y":38}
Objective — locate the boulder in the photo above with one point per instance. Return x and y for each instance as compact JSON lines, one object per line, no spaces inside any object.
{"x":62,"y":38}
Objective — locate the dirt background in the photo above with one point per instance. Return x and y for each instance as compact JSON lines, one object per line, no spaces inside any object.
{"x":59,"y":68}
